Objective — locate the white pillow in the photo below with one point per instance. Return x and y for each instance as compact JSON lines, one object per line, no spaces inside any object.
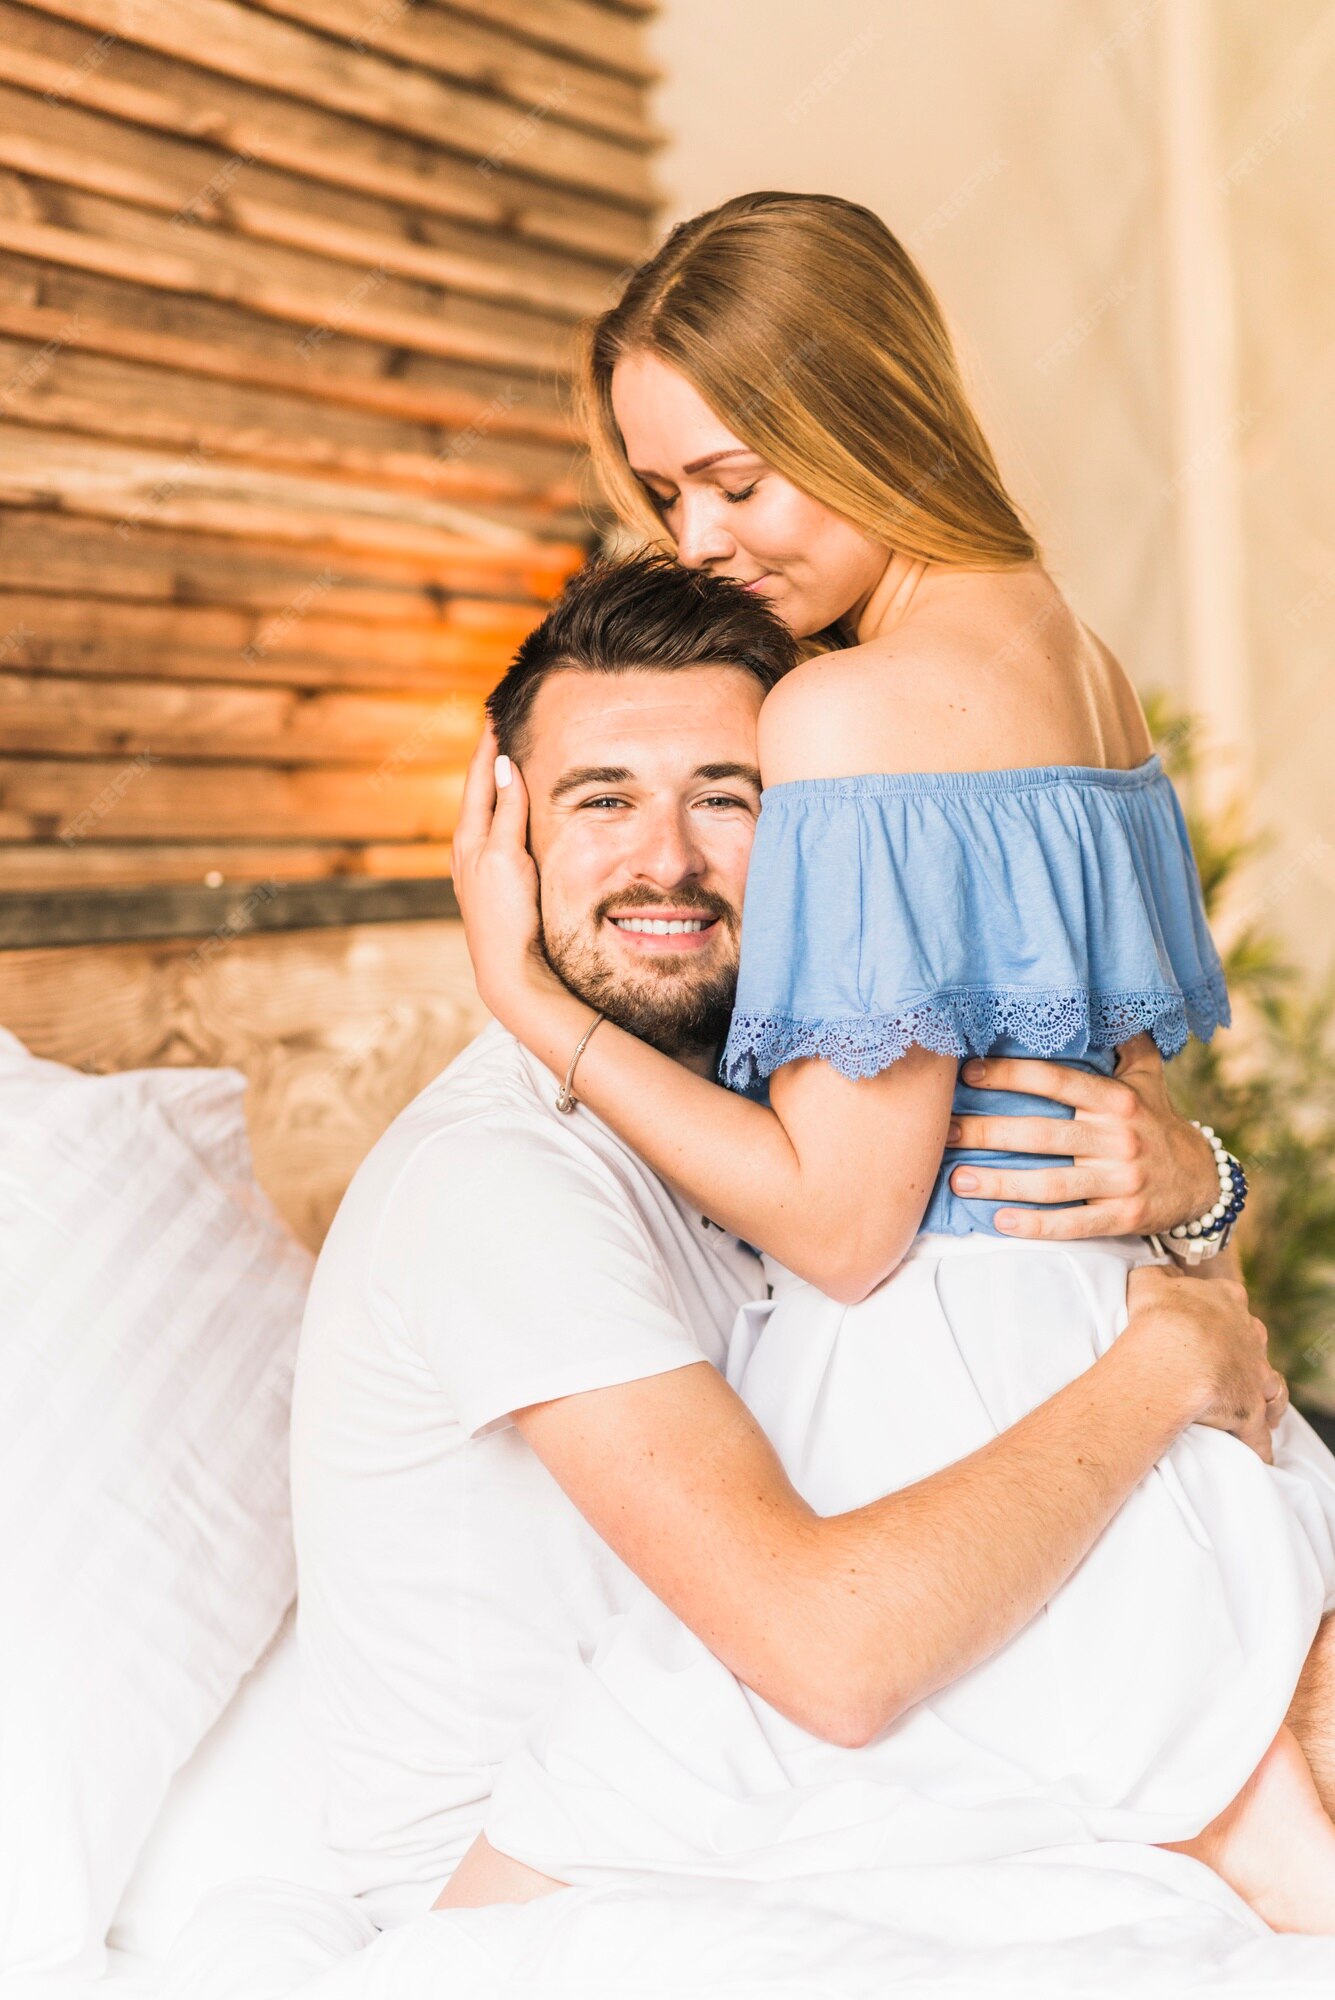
{"x":151,"y":1304}
{"x":249,"y":1802}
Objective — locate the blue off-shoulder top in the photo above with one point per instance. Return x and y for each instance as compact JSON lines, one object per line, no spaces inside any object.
{"x":1051,"y":912}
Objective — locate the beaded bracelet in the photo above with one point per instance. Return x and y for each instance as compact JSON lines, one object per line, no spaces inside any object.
{"x":1207,"y":1235}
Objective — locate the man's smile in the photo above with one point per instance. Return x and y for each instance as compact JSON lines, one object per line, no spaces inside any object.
{"x":666,"y":930}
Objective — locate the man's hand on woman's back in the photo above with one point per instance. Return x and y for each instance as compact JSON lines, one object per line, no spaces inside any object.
{"x":1135,"y":1165}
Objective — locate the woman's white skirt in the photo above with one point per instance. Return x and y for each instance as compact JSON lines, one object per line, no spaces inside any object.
{"x":1133,"y":1707}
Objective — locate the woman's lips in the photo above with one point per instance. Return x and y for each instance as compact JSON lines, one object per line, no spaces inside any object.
{"x":756,"y":581}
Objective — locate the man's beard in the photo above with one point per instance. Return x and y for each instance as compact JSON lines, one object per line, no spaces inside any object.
{"x":668,"y":1003}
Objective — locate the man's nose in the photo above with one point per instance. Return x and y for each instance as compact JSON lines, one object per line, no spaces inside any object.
{"x":703,"y":537}
{"x":667,"y":851}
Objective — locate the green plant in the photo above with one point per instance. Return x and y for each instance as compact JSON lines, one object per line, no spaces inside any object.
{"x":1268,"y":1088}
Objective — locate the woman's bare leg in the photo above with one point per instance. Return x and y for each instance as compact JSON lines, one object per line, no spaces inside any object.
{"x":1275,"y":1845}
{"x":487,"y":1876}
{"x":1312,"y":1715}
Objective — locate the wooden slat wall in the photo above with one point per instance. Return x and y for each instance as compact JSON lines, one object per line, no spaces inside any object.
{"x":287,"y":291}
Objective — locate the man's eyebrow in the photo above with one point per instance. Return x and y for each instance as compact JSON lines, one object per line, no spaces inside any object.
{"x":718,"y":774}
{"x":618,"y":774}
{"x":591,"y":774}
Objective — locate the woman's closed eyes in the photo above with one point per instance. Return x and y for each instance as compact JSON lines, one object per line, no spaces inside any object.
{"x":664,"y":503}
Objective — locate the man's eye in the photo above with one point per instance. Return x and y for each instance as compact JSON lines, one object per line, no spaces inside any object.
{"x":726,"y":799}
{"x":601,"y":802}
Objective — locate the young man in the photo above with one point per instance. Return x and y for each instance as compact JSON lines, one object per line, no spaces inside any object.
{"x":511,"y":1390}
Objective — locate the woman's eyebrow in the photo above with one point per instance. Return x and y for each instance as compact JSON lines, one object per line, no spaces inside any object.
{"x":714,"y":457}
{"x":699,"y":464}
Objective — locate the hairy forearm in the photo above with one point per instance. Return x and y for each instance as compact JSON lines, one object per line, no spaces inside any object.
{"x":904,"y":1596}
{"x":1228,"y":1264}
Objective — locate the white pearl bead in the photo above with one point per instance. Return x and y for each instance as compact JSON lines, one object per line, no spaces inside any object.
{"x":1180,"y":1230}
{"x":1193,"y":1229}
{"x":1207,"y":1131}
{"x":1217,"y":1211}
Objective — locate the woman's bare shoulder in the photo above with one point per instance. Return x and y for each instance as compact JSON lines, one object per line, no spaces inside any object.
{"x":916,"y":701}
{"x":807,"y":720}
{"x":983,"y":680}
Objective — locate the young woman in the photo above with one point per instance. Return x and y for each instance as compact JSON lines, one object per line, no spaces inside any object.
{"x":966,"y":846}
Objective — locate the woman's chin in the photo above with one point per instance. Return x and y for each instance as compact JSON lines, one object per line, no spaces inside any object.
{"x":803,"y":620}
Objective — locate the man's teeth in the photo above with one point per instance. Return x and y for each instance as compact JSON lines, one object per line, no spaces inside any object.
{"x":661,"y":926}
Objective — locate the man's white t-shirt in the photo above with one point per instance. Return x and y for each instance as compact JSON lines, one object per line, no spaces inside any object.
{"x":489,"y":1253}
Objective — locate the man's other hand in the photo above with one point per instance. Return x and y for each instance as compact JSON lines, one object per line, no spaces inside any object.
{"x":1134,"y":1164}
{"x":1207,"y":1338}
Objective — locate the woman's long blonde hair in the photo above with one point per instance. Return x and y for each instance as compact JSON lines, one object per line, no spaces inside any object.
{"x":808,"y":329}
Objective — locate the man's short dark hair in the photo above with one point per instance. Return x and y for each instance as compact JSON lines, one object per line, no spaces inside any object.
{"x":648,"y":611}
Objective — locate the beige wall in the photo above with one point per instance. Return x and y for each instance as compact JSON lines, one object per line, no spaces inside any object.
{"x":1124,"y":205}
{"x":1276,"y":82}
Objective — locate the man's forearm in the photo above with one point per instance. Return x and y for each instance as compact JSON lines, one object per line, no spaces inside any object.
{"x":1228,"y":1264}
{"x":907,"y":1594}
{"x":842,"y":1622}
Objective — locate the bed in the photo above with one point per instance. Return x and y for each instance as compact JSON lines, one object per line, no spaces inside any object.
{"x":334,"y":1031}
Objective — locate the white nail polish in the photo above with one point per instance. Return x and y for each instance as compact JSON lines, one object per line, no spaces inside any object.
{"x":503,"y":773}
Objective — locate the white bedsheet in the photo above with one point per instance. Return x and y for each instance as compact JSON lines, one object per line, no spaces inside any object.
{"x":1107,"y":1921}
{"x":128,"y":1976}
{"x":1104,"y":1922}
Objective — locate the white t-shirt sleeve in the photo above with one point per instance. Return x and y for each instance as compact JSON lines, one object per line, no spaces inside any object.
{"x":521,"y":1272}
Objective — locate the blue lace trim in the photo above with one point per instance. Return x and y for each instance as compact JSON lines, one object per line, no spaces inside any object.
{"x":969,"y":1023}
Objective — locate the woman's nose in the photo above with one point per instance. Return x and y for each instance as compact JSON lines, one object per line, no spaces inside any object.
{"x":702,"y":537}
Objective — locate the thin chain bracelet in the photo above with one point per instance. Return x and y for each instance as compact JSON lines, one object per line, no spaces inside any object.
{"x":566,"y":1099}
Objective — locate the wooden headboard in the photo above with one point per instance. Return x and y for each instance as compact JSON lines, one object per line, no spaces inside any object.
{"x":334,"y":1029}
{"x":287,"y":307}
